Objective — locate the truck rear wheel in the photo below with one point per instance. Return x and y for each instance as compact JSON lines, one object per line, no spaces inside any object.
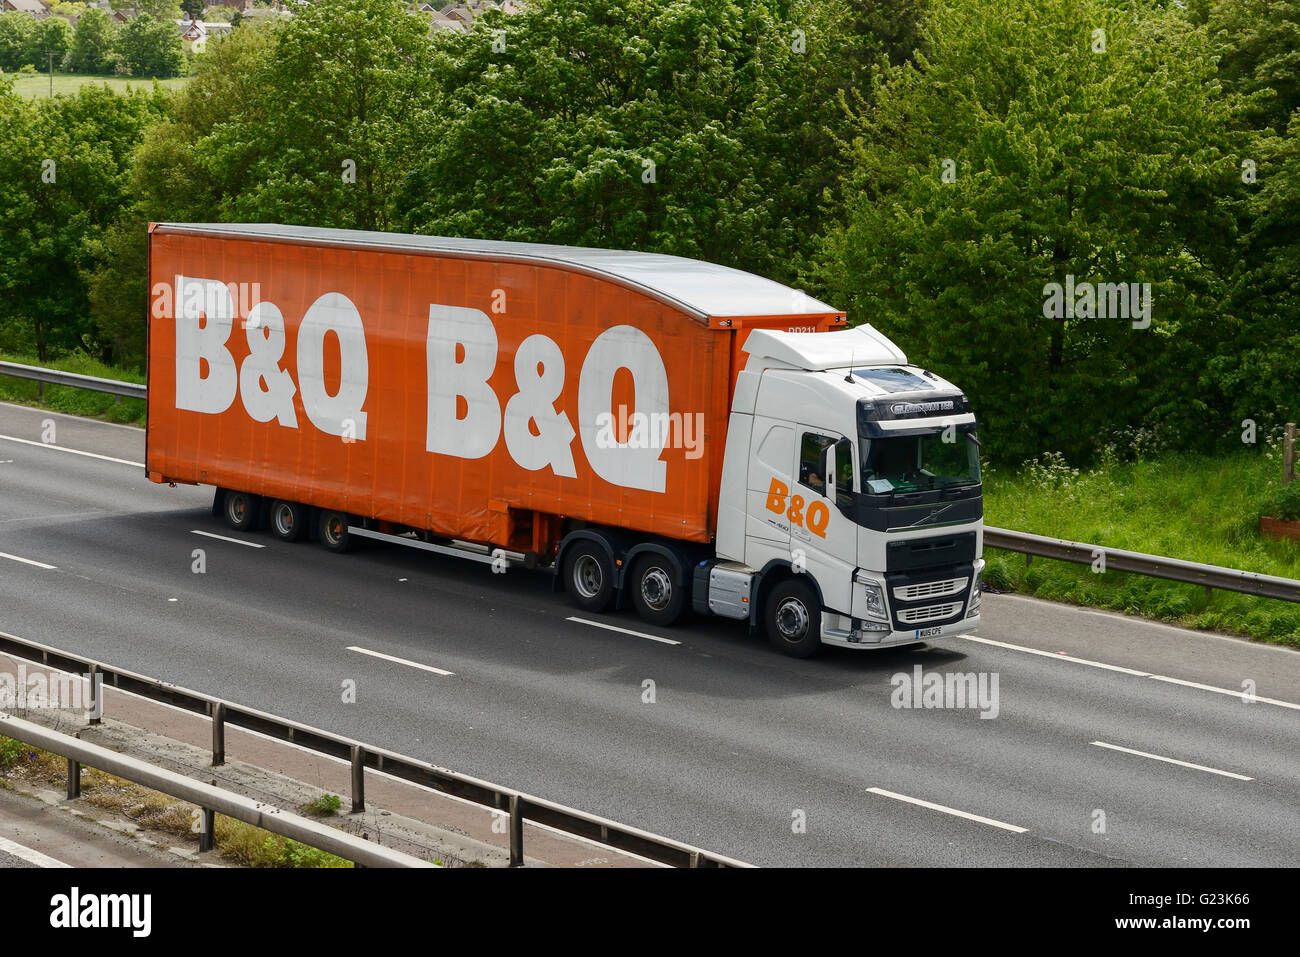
{"x":333,"y":531}
{"x":588,"y":576}
{"x":240,"y":510}
{"x":793,"y":619}
{"x":657,"y":595}
{"x":287,"y":520}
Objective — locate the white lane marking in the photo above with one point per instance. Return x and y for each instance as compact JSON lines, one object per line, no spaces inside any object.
{"x":63,"y":448}
{"x":1183,"y":764}
{"x":400,"y":661}
{"x":224,"y":538}
{"x":626,"y":631}
{"x":948,"y":810}
{"x":1129,"y":671}
{"x":27,"y":561}
{"x":28,"y":855}
{"x":1227,"y":691}
{"x":1052,"y":654}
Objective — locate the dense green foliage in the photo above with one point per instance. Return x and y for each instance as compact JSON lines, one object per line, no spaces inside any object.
{"x":932,"y":166}
{"x":693,"y":128}
{"x":67,"y":164}
{"x":149,"y":45}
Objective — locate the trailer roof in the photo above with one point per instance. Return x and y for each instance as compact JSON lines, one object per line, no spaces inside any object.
{"x":700,"y":289}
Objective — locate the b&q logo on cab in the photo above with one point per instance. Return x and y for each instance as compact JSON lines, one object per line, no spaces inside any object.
{"x":815,"y":518}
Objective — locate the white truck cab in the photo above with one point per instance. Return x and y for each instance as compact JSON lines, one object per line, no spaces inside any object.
{"x":851,"y":509}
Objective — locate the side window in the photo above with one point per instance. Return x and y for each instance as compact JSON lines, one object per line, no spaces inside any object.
{"x":810,"y":461}
{"x":844,"y":473}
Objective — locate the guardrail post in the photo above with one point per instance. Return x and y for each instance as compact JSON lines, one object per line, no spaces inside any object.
{"x":74,"y":779}
{"x":207,"y":829}
{"x":97,"y":692}
{"x":1288,"y":454}
{"x":218,"y":734}
{"x":358,"y":779}
{"x":516,"y":832}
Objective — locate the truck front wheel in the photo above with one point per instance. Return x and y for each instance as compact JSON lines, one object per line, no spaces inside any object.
{"x":793,"y":619}
{"x":588,"y":576}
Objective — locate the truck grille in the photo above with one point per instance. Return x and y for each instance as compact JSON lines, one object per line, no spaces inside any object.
{"x":913,"y":616}
{"x":930,"y":589}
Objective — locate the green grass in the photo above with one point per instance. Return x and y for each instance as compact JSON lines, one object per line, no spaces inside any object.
{"x":38,"y":85}
{"x":1196,"y":508}
{"x":74,"y":401}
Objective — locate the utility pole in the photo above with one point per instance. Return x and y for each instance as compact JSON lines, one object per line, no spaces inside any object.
{"x":50,"y":55}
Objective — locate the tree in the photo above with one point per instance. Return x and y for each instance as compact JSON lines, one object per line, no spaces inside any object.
{"x":168,"y":10}
{"x":92,"y":42}
{"x":1026,"y":149}
{"x":332,"y":123}
{"x":696,"y":128}
{"x":17,"y":43}
{"x":53,"y":35}
{"x":193,"y":8}
{"x":67,"y":161}
{"x":151,"y":47}
{"x":1260,"y":42}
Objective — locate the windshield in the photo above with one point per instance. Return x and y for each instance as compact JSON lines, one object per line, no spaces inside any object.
{"x":919,"y":463}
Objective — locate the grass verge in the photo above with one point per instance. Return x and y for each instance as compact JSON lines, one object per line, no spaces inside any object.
{"x":95,"y":405}
{"x":1178,"y":506}
{"x":235,"y":840}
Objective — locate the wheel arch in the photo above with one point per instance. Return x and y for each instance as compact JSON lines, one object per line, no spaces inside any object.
{"x":768,"y":577}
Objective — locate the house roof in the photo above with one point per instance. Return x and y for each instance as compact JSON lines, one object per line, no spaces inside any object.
{"x":700,"y":289}
{"x":34,"y":7}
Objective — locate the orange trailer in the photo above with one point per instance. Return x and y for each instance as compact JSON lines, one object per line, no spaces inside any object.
{"x":489,"y":392}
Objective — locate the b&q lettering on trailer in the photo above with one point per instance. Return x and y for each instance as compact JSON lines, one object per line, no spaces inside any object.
{"x":461,"y":357}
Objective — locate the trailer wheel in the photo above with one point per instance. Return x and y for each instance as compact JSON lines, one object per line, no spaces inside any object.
{"x":793,"y":619}
{"x":657,"y":595}
{"x":333,"y":531}
{"x":240,"y":510}
{"x":288,"y":520}
{"x":588,"y":576}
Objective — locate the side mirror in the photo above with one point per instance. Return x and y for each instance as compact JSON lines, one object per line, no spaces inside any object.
{"x":827,"y":466}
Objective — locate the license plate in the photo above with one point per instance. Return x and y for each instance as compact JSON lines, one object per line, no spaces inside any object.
{"x":928,"y":632}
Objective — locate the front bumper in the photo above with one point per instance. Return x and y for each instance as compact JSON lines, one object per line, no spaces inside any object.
{"x":944,"y":602}
{"x":866,"y":640}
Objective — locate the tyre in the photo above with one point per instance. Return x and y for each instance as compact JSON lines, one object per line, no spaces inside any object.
{"x":288,"y":520}
{"x":240,"y":510}
{"x":657,"y":594}
{"x":589,"y":576}
{"x":332,"y":529}
{"x":793,"y":619}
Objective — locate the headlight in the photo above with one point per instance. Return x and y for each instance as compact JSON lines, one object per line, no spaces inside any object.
{"x":873,"y":600}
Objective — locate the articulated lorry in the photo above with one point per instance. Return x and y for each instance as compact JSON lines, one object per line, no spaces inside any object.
{"x":665,"y":434}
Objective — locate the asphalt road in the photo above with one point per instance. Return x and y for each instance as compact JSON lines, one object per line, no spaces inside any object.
{"x":1116,"y":741}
